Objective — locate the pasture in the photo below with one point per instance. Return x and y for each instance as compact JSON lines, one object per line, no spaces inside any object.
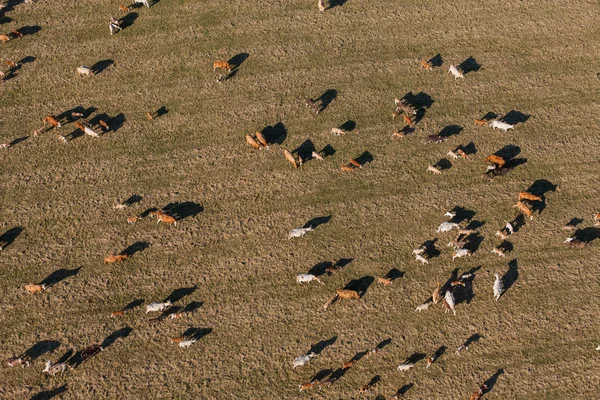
{"x":229,"y":258}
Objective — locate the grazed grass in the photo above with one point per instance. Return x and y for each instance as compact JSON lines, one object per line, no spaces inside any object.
{"x":535,"y":58}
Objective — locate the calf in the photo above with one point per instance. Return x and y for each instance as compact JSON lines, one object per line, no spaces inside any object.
{"x":31,"y":288}
{"x":423,"y":307}
{"x":407,"y":120}
{"x":123,"y":8}
{"x":53,"y":369}
{"x":338,"y":131}
{"x":114,"y":25}
{"x":132,"y":220}
{"x":156,"y":307}
{"x":4,"y":38}
{"x":434,"y":170}
{"x":115,"y":258}
{"x":347,"y":294}
{"x":422,"y":259}
{"x":524,"y":209}
{"x":308,"y":385}
{"x":460,"y":253}
{"x":425,"y":64}
{"x":529,"y":196}
{"x":299,"y":232}
{"x":480,"y":122}
{"x":576,"y":243}
{"x":119,"y":313}
{"x":455,"y":72}
{"x":184,"y":344}
{"x":384,"y":281}
{"x":221,"y":65}
{"x":84,"y":71}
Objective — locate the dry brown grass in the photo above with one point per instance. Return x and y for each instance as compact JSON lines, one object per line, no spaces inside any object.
{"x":537,"y":57}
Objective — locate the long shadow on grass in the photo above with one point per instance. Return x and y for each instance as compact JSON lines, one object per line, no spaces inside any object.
{"x":183,"y":210}
{"x":275,"y":133}
{"x":322,"y":345}
{"x":100,"y":66}
{"x":135,"y":248}
{"x":180,"y":293}
{"x":9,"y":237}
{"x":118,"y":334}
{"x":39,"y":349}
{"x":511,"y":276}
{"x":48,"y":394}
{"x":491,"y":381}
{"x":360,"y":285}
{"x":128,"y":20}
{"x":59,"y":275}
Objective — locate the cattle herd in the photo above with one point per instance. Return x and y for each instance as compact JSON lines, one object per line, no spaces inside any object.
{"x":464,"y":244}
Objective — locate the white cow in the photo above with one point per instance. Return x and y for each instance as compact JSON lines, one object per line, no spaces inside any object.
{"x":299,"y":232}
{"x":304,"y":278}
{"x":497,"y":287}
{"x":447,"y":226}
{"x":455,"y":72}
{"x":302,"y":360}
{"x":501,"y":125}
{"x":156,"y":307}
{"x":143,"y":2}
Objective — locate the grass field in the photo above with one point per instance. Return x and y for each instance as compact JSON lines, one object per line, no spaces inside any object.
{"x":230,"y":258}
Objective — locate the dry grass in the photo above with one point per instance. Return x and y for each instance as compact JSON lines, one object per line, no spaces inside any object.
{"x":535,"y":58}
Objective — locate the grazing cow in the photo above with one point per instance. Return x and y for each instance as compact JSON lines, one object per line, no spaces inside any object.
{"x":529,"y":196}
{"x":435,"y":139}
{"x":119,"y":313}
{"x":423,"y":307}
{"x":330,"y":302}
{"x":449,"y":302}
{"x":405,"y":367}
{"x":425,"y":64}
{"x":149,"y":116}
{"x":143,"y":2}
{"x":420,"y":250}
{"x":437,"y":293}
{"x":157,"y":307}
{"x":395,"y":114}
{"x":114,"y":25}
{"x":302,"y":278}
{"x":384,"y":281}
{"x":497,"y":287}
{"x":221,"y":65}
{"x":4,"y":145}
{"x":596,"y":219}
{"x":453,"y":155}
{"x":53,"y":369}
{"x":497,"y":251}
{"x":177,"y":315}
{"x":16,"y":34}
{"x":308,"y":385}
{"x":167,"y":219}
{"x":31,"y":288}
{"x":300,"y":361}
{"x":184,"y":344}
{"x":524,"y":209}
{"x":84,"y":71}
{"x":52,"y":121}
{"x":430,"y":361}
{"x":347,"y":294}
{"x":17,"y":362}
{"x":115,"y":258}
{"x":501,"y":125}
{"x":501,"y":235}
{"x":422,"y":259}
{"x":177,"y":339}
{"x":455,"y":72}
{"x":434,"y":170}
{"x":447,"y":226}
{"x":291,"y":158}
{"x":460,"y":253}
{"x":338,"y":131}
{"x":321,"y":5}
{"x":299,"y":232}
{"x":480,"y":122}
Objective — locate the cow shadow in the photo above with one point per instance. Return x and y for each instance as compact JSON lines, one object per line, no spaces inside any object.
{"x":374,"y":381}
{"x":360,"y":285}
{"x":148,"y":211}
{"x":383,"y":343}
{"x":404,"y":389}
{"x":475,"y":224}
{"x":238,"y":60}
{"x":315,"y":222}
{"x":415,"y":358}
{"x":322,"y":374}
{"x":18,"y":140}
{"x":133,"y":199}
{"x":450,"y":130}
{"x":322,"y":345}
{"x":491,"y":381}
{"x":118,"y":334}
{"x":540,"y":188}
{"x":39,"y":349}
{"x":48,"y":394}
{"x":506,"y":246}
{"x":59,"y":275}
{"x":365,"y":158}
{"x":128,"y":20}
{"x":469,"y":149}
{"x":448,"y":284}
{"x":394,"y":274}
{"x":348,"y":126}
{"x":430,"y":250}
{"x":117,"y":122}
{"x":4,"y":19}
{"x":462,"y":214}
{"x":133,"y":304}
{"x":469,"y":65}
{"x":508,"y":152}
{"x":490,"y":115}
{"x":342,"y":262}
{"x":338,"y":374}
{"x":443,"y":164}
{"x":192,"y":307}
{"x":86,"y":112}
{"x":574,"y":222}
{"x":419,"y":100}
{"x":183,"y":210}
{"x":29,"y":30}
{"x":472,"y":339}
{"x":180,"y":293}
{"x":275,"y":134}
{"x":327,"y":151}
{"x":26,"y":60}
{"x":10,"y":5}
{"x":336,"y":3}
{"x":65,"y":356}
{"x":474,"y":241}
{"x":305,"y":150}
{"x":436,"y":61}
{"x":102,"y":65}
{"x":439,"y":352}
{"x":514,"y":117}
{"x":9,"y":237}
{"x":196,"y":333}
{"x":169,"y":311}
{"x":135,"y":248}
{"x":518,"y":222}
{"x":326,"y":98}
{"x":465,"y":294}
{"x":320,"y":268}
{"x":511,"y":276}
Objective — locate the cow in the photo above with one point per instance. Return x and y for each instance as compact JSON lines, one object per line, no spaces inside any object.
{"x":221,"y":65}
{"x":455,"y":72}
{"x":84,"y":71}
{"x":501,"y":125}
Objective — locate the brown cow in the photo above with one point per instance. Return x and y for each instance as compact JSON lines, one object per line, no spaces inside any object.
{"x":347,"y":294}
{"x":31,"y":288}
{"x":221,"y":65}
{"x":529,"y":196}
{"x":115,"y":258}
{"x":425,"y":65}
{"x":524,"y":209}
